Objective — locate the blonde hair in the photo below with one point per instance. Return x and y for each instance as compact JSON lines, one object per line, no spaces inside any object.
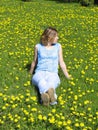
{"x":48,"y":35}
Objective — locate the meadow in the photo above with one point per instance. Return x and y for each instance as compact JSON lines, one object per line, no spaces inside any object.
{"x":21,"y":24}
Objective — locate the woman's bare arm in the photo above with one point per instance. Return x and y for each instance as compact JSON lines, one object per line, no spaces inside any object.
{"x":62,"y":63}
{"x":34,"y":62}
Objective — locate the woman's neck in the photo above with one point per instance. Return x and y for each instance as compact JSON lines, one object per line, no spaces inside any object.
{"x":49,"y":44}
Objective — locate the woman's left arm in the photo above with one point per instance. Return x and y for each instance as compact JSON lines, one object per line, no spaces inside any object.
{"x":62,"y":63}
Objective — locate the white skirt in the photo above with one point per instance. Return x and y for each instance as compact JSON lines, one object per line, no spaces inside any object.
{"x":45,"y":80}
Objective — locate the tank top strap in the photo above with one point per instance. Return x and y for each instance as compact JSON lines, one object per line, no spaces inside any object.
{"x":58,"y":46}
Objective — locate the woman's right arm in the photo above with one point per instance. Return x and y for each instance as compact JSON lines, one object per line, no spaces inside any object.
{"x":62,"y":63}
{"x":34,"y":62}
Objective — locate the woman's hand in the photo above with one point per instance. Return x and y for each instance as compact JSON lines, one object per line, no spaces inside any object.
{"x":69,"y":77}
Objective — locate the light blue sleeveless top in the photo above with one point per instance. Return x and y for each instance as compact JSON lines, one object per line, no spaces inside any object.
{"x":48,"y":58}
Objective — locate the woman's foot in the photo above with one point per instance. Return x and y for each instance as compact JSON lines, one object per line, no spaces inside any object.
{"x":51,"y":95}
{"x":45,"y":99}
{"x":53,"y":103}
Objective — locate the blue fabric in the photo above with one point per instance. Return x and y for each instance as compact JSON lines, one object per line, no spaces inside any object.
{"x":48,"y":58}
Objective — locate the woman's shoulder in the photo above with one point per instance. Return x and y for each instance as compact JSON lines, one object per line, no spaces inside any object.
{"x":38,"y":45}
{"x":58,"y":45}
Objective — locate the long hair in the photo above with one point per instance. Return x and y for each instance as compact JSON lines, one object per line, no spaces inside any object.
{"x":48,"y":35}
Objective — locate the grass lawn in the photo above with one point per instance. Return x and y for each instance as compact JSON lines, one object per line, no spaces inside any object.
{"x":21,"y":24}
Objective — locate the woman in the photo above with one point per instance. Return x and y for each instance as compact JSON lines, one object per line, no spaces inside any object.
{"x":48,"y":55}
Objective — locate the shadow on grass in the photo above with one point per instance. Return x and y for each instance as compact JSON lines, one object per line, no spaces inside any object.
{"x":64,"y":1}
{"x":58,"y":1}
{"x":27,"y":67}
{"x":26,"y":0}
{"x":38,"y":94}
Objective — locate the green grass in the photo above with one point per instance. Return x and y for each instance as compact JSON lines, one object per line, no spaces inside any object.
{"x":21,"y":25}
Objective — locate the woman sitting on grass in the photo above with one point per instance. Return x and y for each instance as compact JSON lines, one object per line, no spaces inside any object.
{"x":48,"y":55}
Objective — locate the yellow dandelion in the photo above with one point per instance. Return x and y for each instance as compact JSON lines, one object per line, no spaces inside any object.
{"x":1,"y":94}
{"x":64,"y":123}
{"x":53,"y":110}
{"x":33,"y":98}
{"x":89,"y":109}
{"x":51,"y":120}
{"x":69,"y":122}
{"x":77,"y":124}
{"x":82,"y":124}
{"x":75,"y":97}
{"x":86,"y":102}
{"x":44,"y":118}
{"x":34,"y":109}
{"x":4,"y":107}
{"x":82,"y":72}
{"x":97,"y":113}
{"x":59,"y":123}
{"x":17,"y":78}
{"x":15,"y":120}
{"x":40,"y":117}
{"x":31,"y":119}
{"x":18,"y":126}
